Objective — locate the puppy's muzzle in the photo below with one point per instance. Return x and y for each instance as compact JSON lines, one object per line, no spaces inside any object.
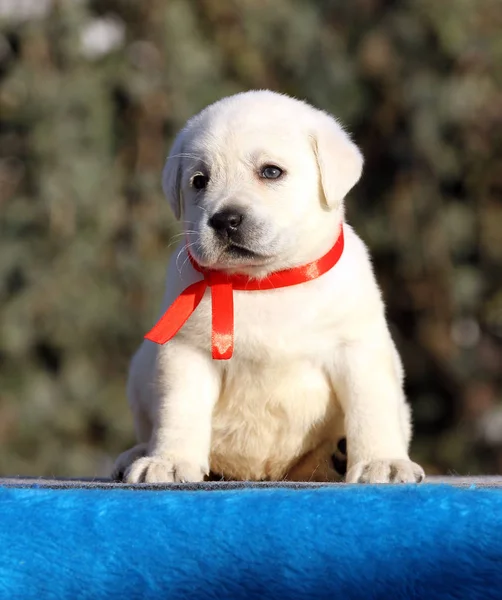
{"x":226,"y":223}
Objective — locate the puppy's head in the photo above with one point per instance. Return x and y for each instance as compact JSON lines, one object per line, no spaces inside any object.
{"x":259,"y":181}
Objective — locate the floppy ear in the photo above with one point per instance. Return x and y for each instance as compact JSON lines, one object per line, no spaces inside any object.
{"x":171,"y":177}
{"x":339,"y":159}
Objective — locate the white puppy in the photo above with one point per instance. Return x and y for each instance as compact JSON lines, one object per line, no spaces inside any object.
{"x":259,"y":180}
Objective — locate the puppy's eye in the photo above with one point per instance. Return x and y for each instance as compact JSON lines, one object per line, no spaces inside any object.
{"x":271,"y":172}
{"x":200,"y":181}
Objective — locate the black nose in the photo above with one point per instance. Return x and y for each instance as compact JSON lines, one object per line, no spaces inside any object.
{"x":226,"y":221}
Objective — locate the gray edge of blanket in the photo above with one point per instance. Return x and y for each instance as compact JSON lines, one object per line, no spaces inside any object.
{"x":210,"y":486}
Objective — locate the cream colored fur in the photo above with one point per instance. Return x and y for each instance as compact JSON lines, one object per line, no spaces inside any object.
{"x":312,"y":363}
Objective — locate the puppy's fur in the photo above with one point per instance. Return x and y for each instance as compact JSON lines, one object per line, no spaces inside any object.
{"x":312,"y":363}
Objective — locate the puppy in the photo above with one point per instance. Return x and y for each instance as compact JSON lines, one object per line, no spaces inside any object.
{"x":259,"y":180}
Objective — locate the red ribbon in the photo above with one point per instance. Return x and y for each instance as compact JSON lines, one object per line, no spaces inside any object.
{"x":222,"y":301}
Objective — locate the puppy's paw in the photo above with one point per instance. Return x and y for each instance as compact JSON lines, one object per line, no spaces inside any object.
{"x":386,"y":471}
{"x":158,"y":469}
{"x":126,"y":459}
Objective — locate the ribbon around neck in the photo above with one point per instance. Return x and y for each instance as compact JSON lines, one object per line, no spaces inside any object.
{"x":221,"y":286}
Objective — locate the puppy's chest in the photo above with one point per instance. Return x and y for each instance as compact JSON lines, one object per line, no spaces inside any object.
{"x":274,"y":323}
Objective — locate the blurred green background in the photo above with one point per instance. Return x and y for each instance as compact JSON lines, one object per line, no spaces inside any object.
{"x":91,"y":95}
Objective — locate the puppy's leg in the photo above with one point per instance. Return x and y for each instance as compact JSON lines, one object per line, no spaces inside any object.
{"x":368,"y":382}
{"x":138,"y":398}
{"x":188,"y":386}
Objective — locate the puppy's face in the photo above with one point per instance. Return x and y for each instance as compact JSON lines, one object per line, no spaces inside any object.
{"x":259,"y":181}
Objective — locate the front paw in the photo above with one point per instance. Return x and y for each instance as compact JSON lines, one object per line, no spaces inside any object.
{"x":385,"y":471}
{"x":126,"y":459}
{"x":158,"y":469}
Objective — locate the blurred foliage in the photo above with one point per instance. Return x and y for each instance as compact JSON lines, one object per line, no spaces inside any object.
{"x":91,"y":95}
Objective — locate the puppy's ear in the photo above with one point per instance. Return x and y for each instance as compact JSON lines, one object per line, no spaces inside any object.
{"x":340,"y":160}
{"x":171,"y":176}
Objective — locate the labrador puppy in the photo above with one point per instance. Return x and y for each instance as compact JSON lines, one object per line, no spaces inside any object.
{"x":259,"y":180}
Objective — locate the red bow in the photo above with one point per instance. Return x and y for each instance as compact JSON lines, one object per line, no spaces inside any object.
{"x":222,"y":286}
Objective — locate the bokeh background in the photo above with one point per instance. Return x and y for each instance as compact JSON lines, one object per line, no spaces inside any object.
{"x":91,"y":95}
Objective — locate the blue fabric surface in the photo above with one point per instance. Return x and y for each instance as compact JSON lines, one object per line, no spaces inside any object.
{"x":352,"y":542}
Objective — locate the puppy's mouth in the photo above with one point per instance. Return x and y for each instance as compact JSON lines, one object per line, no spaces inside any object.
{"x":232,"y":254}
{"x":235,"y":258}
{"x":236,"y":251}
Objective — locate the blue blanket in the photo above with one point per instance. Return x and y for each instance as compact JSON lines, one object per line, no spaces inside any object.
{"x":347,"y":542}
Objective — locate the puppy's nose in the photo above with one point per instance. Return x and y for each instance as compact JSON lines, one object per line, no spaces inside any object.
{"x":226,"y":221}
